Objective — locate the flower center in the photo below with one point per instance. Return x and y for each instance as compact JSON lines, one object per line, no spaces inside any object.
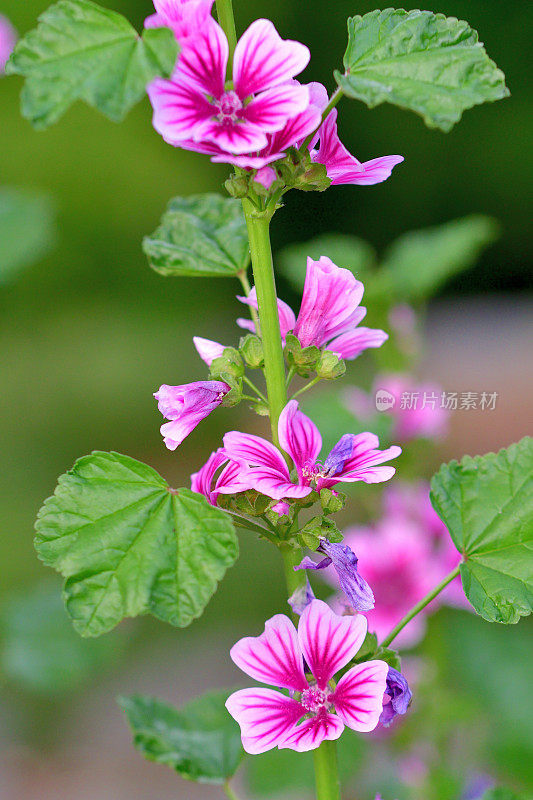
{"x":315,"y":471}
{"x":228,"y":106}
{"x":315,"y":699}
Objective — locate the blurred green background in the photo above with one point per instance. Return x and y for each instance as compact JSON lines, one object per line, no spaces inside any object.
{"x":89,"y":332}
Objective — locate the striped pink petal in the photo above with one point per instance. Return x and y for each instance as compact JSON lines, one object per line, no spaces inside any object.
{"x":202,"y":62}
{"x":287,"y":318}
{"x":256,"y":451}
{"x":312,"y":732}
{"x":329,"y":641}
{"x":299,"y":436}
{"x":272,"y":107}
{"x":263,"y":59}
{"x":274,"y":657}
{"x":351,"y":344}
{"x":358,"y":697}
{"x":207,"y":349}
{"x":180,"y":111}
{"x":265,"y":717}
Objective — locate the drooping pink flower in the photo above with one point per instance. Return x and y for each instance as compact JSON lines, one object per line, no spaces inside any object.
{"x":184,"y":17}
{"x":186,"y":406}
{"x":354,"y":457}
{"x":207,"y":349}
{"x":194,"y":106}
{"x":8,"y":38}
{"x":231,"y":477}
{"x":314,"y":712}
{"x":416,"y":408}
{"x":341,"y":166}
{"x":329,"y":314}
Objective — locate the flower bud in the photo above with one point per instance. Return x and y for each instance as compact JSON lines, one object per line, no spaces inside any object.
{"x":237,"y":186}
{"x":330,"y":366}
{"x":251,"y":349}
{"x":302,"y":359}
{"x":229,"y":362}
{"x":332,"y":502}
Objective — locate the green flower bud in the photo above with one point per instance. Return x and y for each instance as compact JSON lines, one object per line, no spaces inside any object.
{"x":330,"y":366}
{"x":302,"y":359}
{"x":331,"y":503}
{"x":251,"y":349}
{"x":229,"y":362}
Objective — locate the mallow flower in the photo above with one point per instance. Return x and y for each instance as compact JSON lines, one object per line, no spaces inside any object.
{"x":341,"y":166}
{"x":8,"y":38}
{"x":330,"y":312}
{"x":219,"y":475}
{"x":195,"y":110}
{"x":354,"y":457}
{"x":186,"y":406}
{"x":344,"y":563}
{"x":316,"y":709}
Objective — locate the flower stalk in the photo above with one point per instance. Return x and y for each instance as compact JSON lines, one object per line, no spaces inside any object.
{"x":227,"y":23}
{"x":420,"y":606}
{"x":327,"y":772}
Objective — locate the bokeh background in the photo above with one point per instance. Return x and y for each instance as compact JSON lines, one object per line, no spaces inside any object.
{"x":89,"y":332}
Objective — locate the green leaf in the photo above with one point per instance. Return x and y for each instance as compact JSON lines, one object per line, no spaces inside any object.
{"x":41,"y":652}
{"x":502,"y":794}
{"x":345,"y":251}
{"x":128,"y":544}
{"x":200,"y":236}
{"x":201,"y":741}
{"x":423,"y":62}
{"x":419,"y":262}
{"x":80,"y":51}
{"x":26,"y":230}
{"x":487,"y":504}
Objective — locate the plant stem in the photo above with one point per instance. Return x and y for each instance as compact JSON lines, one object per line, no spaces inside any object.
{"x":229,"y":792}
{"x":227,"y":23}
{"x":306,"y":387}
{"x":419,"y":606}
{"x":254,"y":387}
{"x":259,"y":235}
{"x":327,"y":772}
{"x":258,"y":223}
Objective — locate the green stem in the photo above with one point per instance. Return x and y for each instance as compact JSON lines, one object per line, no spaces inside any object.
{"x":419,"y":606}
{"x":259,"y":235}
{"x":290,"y":375}
{"x":306,"y":387}
{"x":227,"y":23}
{"x":229,"y":792}
{"x":292,"y":556}
{"x":327,"y":772}
{"x":254,"y":387}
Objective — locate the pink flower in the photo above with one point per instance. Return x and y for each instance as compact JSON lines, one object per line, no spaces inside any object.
{"x":230,"y":479}
{"x":184,"y":17}
{"x":195,"y":109}
{"x":354,"y":457}
{"x":329,"y":313}
{"x":207,"y":349}
{"x":8,"y":38}
{"x":416,"y":409}
{"x":314,"y":712}
{"x":186,"y":406}
{"x":344,"y":168}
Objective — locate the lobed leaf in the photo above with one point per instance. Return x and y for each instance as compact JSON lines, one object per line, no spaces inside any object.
{"x":201,"y":741}
{"x":128,"y":544}
{"x":417,"y":264}
{"x":26,"y":230}
{"x":487,"y":504}
{"x":81,"y":51}
{"x":202,"y":235}
{"x":420,"y":61}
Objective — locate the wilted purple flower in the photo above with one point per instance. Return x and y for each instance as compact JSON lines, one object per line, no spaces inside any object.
{"x":344,"y":562}
{"x":397,"y":697}
{"x":300,"y":599}
{"x":186,"y":406}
